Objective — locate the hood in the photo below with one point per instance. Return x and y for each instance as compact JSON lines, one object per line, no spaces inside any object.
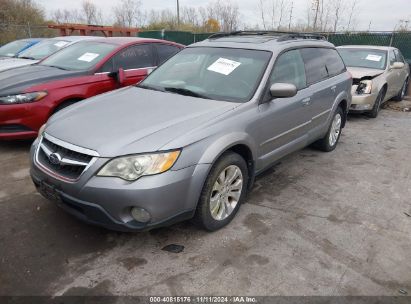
{"x":12,"y":63}
{"x":133,"y":120}
{"x":18,"y":80}
{"x":358,"y":73}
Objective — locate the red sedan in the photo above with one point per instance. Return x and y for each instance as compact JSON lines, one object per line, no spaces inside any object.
{"x":30,"y":95}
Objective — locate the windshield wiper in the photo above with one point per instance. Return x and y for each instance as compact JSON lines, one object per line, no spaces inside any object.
{"x":143,"y":86}
{"x":57,"y":67}
{"x":185,"y":92}
{"x":30,"y":58}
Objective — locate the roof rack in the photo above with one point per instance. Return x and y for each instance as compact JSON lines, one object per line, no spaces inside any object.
{"x":282,"y":36}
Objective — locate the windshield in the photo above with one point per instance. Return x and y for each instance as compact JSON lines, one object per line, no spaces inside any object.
{"x":79,"y":56}
{"x":214,"y":73}
{"x":43,"y":49}
{"x":13,"y":48}
{"x":364,"y":58}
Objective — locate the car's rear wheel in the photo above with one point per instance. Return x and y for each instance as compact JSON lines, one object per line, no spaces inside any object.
{"x":329,"y":142}
{"x":402,"y":93}
{"x":377,"y":105}
{"x":223,"y":192}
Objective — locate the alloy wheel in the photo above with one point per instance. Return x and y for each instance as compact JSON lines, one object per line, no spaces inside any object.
{"x":226,"y":192}
{"x":335,"y":130}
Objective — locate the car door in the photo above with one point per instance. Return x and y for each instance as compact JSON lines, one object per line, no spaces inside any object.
{"x":393,"y":76}
{"x":323,"y":65}
{"x":284,"y":123}
{"x":137,"y":61}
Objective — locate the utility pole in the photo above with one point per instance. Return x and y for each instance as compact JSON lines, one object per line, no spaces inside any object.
{"x":291,"y":15}
{"x":178,"y":14}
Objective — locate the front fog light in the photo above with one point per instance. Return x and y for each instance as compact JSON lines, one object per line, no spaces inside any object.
{"x":140,"y":215}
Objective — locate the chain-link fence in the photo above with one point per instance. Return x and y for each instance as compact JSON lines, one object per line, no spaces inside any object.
{"x":11,"y":32}
{"x":401,"y":40}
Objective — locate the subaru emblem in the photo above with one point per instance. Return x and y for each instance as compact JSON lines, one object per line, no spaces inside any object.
{"x":55,"y":158}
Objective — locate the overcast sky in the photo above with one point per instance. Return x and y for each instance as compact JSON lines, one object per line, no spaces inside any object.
{"x":383,"y":14}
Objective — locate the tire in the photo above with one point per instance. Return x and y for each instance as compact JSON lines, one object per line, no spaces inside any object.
{"x":329,"y":142}
{"x":400,"y":96}
{"x":216,"y":195}
{"x":64,"y":105}
{"x":377,"y":105}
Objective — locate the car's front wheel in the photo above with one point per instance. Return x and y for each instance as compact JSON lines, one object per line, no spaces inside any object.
{"x":223,"y":192}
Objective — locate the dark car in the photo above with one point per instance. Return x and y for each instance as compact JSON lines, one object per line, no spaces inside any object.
{"x":30,"y":95}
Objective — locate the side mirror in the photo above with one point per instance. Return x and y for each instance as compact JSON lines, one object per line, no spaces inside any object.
{"x":283,"y":90}
{"x":119,"y":76}
{"x":398,"y":65}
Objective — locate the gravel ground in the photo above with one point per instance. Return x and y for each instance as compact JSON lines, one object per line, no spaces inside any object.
{"x":316,"y":224}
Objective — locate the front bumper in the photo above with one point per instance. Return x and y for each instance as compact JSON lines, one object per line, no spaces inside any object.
{"x":22,"y":121}
{"x":361,"y":103}
{"x":105,"y":201}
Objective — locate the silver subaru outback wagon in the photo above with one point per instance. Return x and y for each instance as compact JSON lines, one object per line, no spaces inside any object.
{"x":187,"y":142}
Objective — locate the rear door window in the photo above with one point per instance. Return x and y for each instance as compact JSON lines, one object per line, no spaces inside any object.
{"x":135,"y":57}
{"x":315,"y":65}
{"x":166,"y":51}
{"x":289,"y":68}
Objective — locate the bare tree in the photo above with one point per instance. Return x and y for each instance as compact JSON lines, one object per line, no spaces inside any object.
{"x":67,"y":16}
{"x":337,"y":8}
{"x":281,"y":14}
{"x":261,"y":7}
{"x":92,"y":14}
{"x":352,"y":14}
{"x":129,"y":13}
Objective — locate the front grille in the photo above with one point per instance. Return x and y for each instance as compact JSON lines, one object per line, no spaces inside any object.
{"x":67,"y":163}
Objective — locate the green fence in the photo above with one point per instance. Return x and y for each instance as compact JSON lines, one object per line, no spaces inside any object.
{"x":185,"y":38}
{"x":401,"y":40}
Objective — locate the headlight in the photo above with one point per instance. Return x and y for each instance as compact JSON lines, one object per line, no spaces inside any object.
{"x":22,"y":98}
{"x":364,"y":87}
{"x":131,"y":168}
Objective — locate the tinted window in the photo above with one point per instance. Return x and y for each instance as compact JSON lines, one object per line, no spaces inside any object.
{"x":333,"y":62}
{"x":165,"y":51}
{"x":364,"y":58}
{"x":289,"y":68}
{"x":134,"y":57}
{"x":314,"y":65}
{"x":107,"y":67}
{"x":79,"y":56}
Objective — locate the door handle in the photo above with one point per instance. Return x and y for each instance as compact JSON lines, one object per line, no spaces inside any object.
{"x":333,"y":88}
{"x":306,"y":101}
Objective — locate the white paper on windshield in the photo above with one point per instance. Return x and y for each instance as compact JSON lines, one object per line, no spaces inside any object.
{"x":374,"y":57}
{"x":224,"y":66}
{"x":88,"y":57}
{"x":10,"y":55}
{"x":60,"y":44}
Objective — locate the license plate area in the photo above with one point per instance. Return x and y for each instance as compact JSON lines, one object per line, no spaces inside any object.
{"x":49,"y":192}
